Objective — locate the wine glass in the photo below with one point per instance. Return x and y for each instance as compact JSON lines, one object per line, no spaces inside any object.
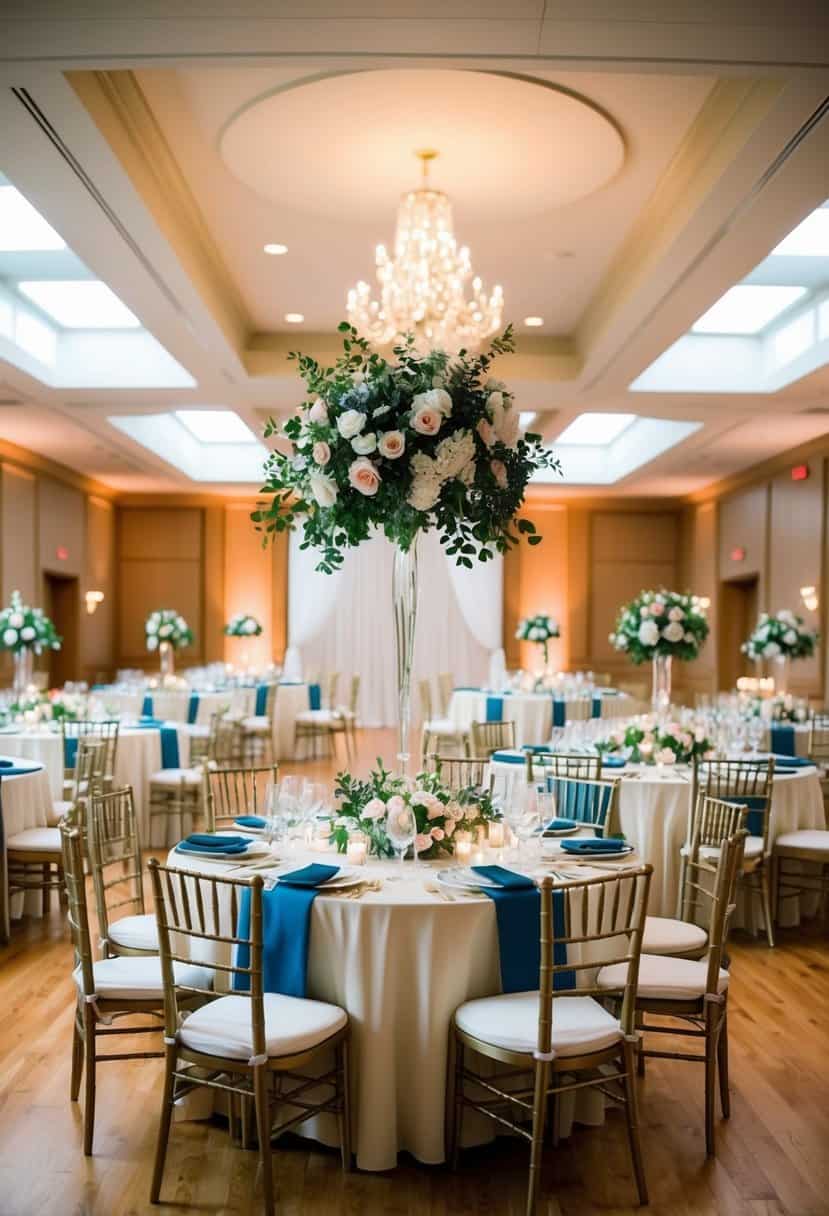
{"x":271,"y":810}
{"x":401,"y":829}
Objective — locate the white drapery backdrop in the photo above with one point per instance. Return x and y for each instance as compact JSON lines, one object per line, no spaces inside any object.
{"x":343,"y":622}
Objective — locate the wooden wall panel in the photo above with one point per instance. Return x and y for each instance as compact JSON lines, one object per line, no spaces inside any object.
{"x":630,"y":552}
{"x":698,"y":555}
{"x":248,"y":585}
{"x":536,"y":580}
{"x":168,"y":533}
{"x":98,"y":630}
{"x":18,"y":534}
{"x":279,"y":599}
{"x":62,"y":527}
{"x":795,"y":553}
{"x":161,"y":564}
{"x":215,"y":614}
{"x":743,"y":525}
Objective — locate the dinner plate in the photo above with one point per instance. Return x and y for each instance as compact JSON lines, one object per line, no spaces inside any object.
{"x":465,"y":879}
{"x":549,"y":833}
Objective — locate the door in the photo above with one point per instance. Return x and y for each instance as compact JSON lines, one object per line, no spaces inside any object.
{"x":738,"y":606}
{"x":61,"y":602}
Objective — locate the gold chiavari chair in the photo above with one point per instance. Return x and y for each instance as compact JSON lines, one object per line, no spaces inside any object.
{"x":344,"y":719}
{"x":438,"y":732}
{"x":461,"y":772}
{"x":488,"y":737}
{"x":106,"y":731}
{"x":107,"y":990}
{"x":248,"y":1043}
{"x":694,"y":992}
{"x":124,"y":926}
{"x":593,"y":804}
{"x":562,"y":764}
{"x":809,"y":845}
{"x":230,"y":792}
{"x":176,"y":793}
{"x":327,"y":723}
{"x":87,"y":772}
{"x":224,"y":743}
{"x":256,"y":732}
{"x":819,"y":752}
{"x":445,"y":685}
{"x":749,"y":783}
{"x":559,"y":1038}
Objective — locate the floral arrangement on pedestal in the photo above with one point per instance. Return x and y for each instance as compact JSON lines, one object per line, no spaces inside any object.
{"x":538,"y":629}
{"x":25,"y":628}
{"x":439,"y":811}
{"x":167,"y":625}
{"x":243,"y":625}
{"x":785,"y":709}
{"x":781,"y":635}
{"x":661,"y":623}
{"x":649,"y":742}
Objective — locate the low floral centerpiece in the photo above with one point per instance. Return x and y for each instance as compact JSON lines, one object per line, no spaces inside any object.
{"x":439,"y":812}
{"x":243,"y":625}
{"x":657,"y":627}
{"x":424,"y":441}
{"x":649,"y":742}
{"x":781,"y":637}
{"x":785,"y":708}
{"x":25,"y":631}
{"x":539,"y":629}
{"x":56,"y":706}
{"x":167,"y":631}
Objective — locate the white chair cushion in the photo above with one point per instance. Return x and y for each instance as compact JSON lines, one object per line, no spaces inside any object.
{"x":139,"y":978}
{"x":135,"y":932}
{"x":195,"y":730}
{"x":442,"y":726}
{"x":257,"y":724}
{"x":60,"y":807}
{"x":223,"y":1028}
{"x":580,"y":1024}
{"x":666,"y":936}
{"x":317,"y":717}
{"x":36,"y":840}
{"x":664,"y":978}
{"x":710,"y":852}
{"x":812,"y":841}
{"x":175,"y":776}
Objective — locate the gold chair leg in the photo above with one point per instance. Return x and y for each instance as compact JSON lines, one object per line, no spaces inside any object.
{"x":766,"y":898}
{"x":632,"y":1113}
{"x":89,"y":1080}
{"x":680,"y":903}
{"x":640,"y":1054}
{"x":542,"y":1071}
{"x":263,"y":1128}
{"x":344,"y":1115}
{"x":77,"y":1061}
{"x":46,"y":878}
{"x":710,"y":1076}
{"x":722,"y":1065}
{"x":457,"y":1111}
{"x":164,"y":1122}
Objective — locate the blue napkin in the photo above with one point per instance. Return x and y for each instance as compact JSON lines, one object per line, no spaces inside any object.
{"x":466,"y":688}
{"x":536,"y":748}
{"x":517,"y":911}
{"x":596,"y":708}
{"x":18,"y":768}
{"x":187,"y":846}
{"x":193,"y":709}
{"x":559,"y":711}
{"x":590,"y":844}
{"x":495,"y":709}
{"x":261,"y":707}
{"x":147,"y":707}
{"x":782,"y":739}
{"x":286,"y":930}
{"x":169,"y":741}
{"x":784,"y":762}
{"x":314,"y":696}
{"x":207,"y":841}
{"x":251,"y":821}
{"x":70,"y":751}
{"x":757,"y":811}
{"x":560,"y":825}
{"x":508,"y":758}
{"x":613,"y":762}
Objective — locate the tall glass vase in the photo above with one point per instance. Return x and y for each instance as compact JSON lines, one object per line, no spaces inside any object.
{"x":781,"y":670}
{"x":404,"y":600}
{"x":661,"y":688}
{"x":23,"y":664}
{"x":167,"y":655}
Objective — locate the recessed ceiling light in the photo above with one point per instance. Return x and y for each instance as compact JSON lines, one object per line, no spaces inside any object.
{"x":275,"y":250}
{"x":746,"y":309}
{"x":294,"y":318}
{"x":526,"y":418}
{"x":80,"y":303}
{"x":22,"y":228}
{"x":810,"y":239}
{"x":533,"y":322}
{"x":596,"y":430}
{"x":216,"y":426}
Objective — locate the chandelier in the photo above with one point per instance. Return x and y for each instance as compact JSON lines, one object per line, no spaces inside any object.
{"x":422,"y":290}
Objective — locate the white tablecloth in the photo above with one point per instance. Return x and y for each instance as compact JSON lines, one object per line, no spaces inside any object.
{"x":291,"y":699}
{"x":27,"y":803}
{"x":174,"y":706}
{"x":532,"y":712}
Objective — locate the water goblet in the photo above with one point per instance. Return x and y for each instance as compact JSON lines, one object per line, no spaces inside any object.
{"x":401,"y":829}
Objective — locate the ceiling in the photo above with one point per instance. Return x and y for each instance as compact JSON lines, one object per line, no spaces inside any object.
{"x":615,"y":173}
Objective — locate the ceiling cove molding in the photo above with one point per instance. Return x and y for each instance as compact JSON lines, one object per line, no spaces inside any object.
{"x":118,"y":107}
{"x":814,"y":450}
{"x":26,"y":461}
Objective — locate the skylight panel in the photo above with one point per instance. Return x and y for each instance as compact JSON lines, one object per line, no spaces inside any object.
{"x":746,"y":309}
{"x":79,"y":303}
{"x":597,"y":430}
{"x":810,"y":239}
{"x":22,"y":228}
{"x":216,"y":426}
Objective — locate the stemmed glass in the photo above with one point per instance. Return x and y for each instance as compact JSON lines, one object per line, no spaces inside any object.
{"x":401,"y":829}
{"x":523,"y":814}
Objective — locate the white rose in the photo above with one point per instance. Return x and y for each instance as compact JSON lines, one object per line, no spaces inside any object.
{"x":435,"y":399}
{"x":152,"y":642}
{"x":676,"y":614}
{"x":318,"y":411}
{"x":649,"y":633}
{"x":250,"y":625}
{"x":10,"y":637}
{"x":152,"y":626}
{"x":16,"y":620}
{"x":323,"y":489}
{"x":665,"y":756}
{"x":392,"y":444}
{"x":351,"y":423}
{"x":181,"y":624}
{"x":495,"y":401}
{"x":364,"y":445}
{"x":689,"y":637}
{"x":790,"y":637}
{"x":673,"y":632}
{"x":771,"y":650}
{"x":27,"y":633}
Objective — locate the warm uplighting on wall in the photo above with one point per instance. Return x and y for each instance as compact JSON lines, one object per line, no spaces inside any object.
{"x":762,"y":685}
{"x":810,"y":598}
{"x":93,"y":599}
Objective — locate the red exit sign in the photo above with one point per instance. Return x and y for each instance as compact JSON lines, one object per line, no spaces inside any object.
{"x":800,"y":472}
{"x":738,"y":554}
{"x":62,"y":553}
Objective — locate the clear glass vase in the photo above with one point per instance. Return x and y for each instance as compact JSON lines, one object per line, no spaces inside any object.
{"x":23,"y":665}
{"x":661,"y":687}
{"x":404,"y":600}
{"x":167,"y":657}
{"x":781,"y":670}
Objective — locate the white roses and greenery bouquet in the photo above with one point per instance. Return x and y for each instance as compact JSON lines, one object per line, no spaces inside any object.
{"x":647,"y":741}
{"x":25,"y":628}
{"x":661,"y":623}
{"x":40,"y":707}
{"x":439,"y":811}
{"x":539,"y":629}
{"x":166,"y":625}
{"x":243,"y":625}
{"x":786,"y":708}
{"x":422,"y":442}
{"x":781,"y":636}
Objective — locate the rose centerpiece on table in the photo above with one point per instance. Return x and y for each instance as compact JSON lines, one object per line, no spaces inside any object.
{"x":649,"y":742}
{"x":243,"y":625}
{"x":657,"y":627}
{"x":439,"y":811}
{"x":167,"y":631}
{"x":786,"y":709}
{"x":539,"y":629}
{"x":25,"y":631}
{"x":781,"y":637}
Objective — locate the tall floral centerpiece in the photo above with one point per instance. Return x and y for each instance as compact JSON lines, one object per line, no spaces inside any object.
{"x":780,"y":638}
{"x":421,"y":442}
{"x":243,"y":625}
{"x":25,"y":632}
{"x":539,"y":629}
{"x":660,"y":626}
{"x":167,"y":631}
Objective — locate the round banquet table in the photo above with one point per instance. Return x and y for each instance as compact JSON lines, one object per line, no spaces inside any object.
{"x":654,"y":810}
{"x":532,"y":712}
{"x":26,"y":802}
{"x":174,"y":705}
{"x":400,"y":960}
{"x":291,"y":699}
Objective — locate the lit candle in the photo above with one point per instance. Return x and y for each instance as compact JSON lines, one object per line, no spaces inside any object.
{"x":495,"y":835}
{"x":356,"y":852}
{"x":463,"y":848}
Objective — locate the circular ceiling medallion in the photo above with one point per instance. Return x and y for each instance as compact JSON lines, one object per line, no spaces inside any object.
{"x":345,"y":145}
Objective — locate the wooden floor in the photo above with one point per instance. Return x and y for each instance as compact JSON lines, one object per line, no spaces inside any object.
{"x":773,"y":1154}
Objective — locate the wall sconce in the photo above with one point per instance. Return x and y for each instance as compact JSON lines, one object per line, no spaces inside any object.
{"x":810,"y":598}
{"x":93,"y":599}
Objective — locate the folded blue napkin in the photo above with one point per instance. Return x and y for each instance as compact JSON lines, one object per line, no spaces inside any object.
{"x":314,"y":696}
{"x":536,"y":748}
{"x":70,"y":751}
{"x":147,"y":707}
{"x":596,"y":707}
{"x":613,"y":762}
{"x":593,"y":845}
{"x":207,"y":841}
{"x":286,"y":930}
{"x":560,"y":825}
{"x":261,"y":706}
{"x":782,"y":738}
{"x":193,"y":708}
{"x":508,"y":758}
{"x":559,"y":711}
{"x":517,"y":911}
{"x":495,"y":709}
{"x":251,"y":821}
{"x":187,"y":846}
{"x":169,"y":740}
{"x":784,"y":762}
{"x":18,"y":768}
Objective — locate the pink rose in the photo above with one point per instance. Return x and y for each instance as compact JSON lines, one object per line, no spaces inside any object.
{"x":321,"y":452}
{"x":657,"y":609}
{"x":422,"y":843}
{"x":427,"y":421}
{"x":435,"y":809}
{"x":449,"y":827}
{"x":395,"y":805}
{"x":364,"y":477}
{"x":486,"y":431}
{"x":437,"y":833}
{"x":391,"y":444}
{"x":499,"y":472}
{"x":374,"y":809}
{"x":318,"y":411}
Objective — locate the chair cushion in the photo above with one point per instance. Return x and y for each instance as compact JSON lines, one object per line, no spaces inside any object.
{"x":223,"y":1028}
{"x":666,"y":936}
{"x":580,"y":1024}
{"x":175,"y":776}
{"x":60,"y":807}
{"x":710,"y":852}
{"x":36,"y":840}
{"x":139,"y":978}
{"x":812,"y":841}
{"x":442,"y":726}
{"x":257,"y":724}
{"x":664,"y":978}
{"x":135,"y":932}
{"x":317,"y":717}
